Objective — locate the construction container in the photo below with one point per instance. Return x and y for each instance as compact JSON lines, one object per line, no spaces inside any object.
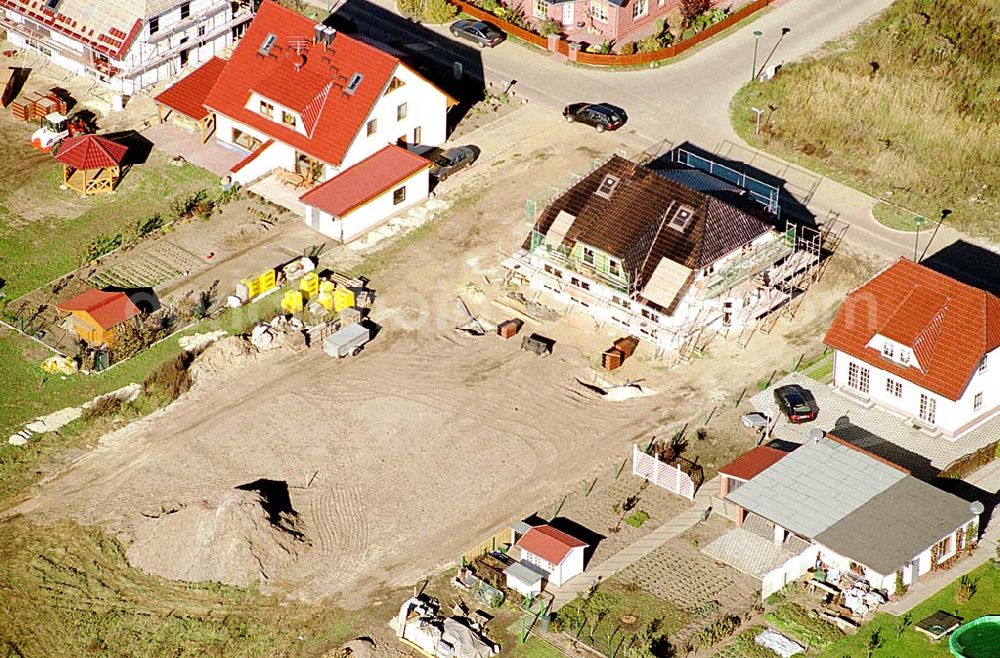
{"x":509,"y":328}
{"x":342,"y":298}
{"x":627,"y":345}
{"x":291,"y":302}
{"x":537,"y":344}
{"x":349,"y":340}
{"x":612,"y":359}
{"x":309,"y":285}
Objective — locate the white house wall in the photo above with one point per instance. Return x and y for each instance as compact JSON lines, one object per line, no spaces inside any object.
{"x":426,"y":107}
{"x":952,"y":417}
{"x":371,"y":214}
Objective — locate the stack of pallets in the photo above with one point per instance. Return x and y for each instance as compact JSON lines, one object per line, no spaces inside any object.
{"x":35,"y":105}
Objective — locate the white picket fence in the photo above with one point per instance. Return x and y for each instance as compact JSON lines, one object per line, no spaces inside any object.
{"x":671,"y":478}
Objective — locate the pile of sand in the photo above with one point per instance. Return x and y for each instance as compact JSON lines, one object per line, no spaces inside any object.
{"x":235,"y":537}
{"x":222,"y":359}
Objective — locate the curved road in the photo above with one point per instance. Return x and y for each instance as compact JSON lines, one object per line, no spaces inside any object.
{"x":686,"y":100}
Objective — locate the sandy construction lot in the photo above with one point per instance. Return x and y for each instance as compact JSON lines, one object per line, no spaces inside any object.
{"x":399,"y":460}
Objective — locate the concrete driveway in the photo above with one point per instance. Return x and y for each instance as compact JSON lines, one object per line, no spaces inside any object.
{"x":682,"y":101}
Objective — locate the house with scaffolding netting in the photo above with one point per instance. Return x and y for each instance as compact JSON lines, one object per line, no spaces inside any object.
{"x":666,"y":254}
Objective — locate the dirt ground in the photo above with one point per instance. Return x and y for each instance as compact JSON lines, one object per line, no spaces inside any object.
{"x":402,"y":458}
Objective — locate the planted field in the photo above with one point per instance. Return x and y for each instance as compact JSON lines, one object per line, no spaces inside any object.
{"x":905,"y":110}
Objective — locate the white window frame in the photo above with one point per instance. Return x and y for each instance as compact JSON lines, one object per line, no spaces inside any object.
{"x":982,"y":364}
{"x":640,"y":8}
{"x":540,"y":9}
{"x":894,"y":387}
{"x":928,"y":409}
{"x":399,"y":195}
{"x":589,"y":256}
{"x":401,"y":111}
{"x":858,"y":377}
{"x":977,"y":401}
{"x":887,"y":349}
{"x":598,"y":10}
{"x":371,"y":127}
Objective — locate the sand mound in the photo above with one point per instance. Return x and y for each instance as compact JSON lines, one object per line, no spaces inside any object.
{"x":237,"y":537}
{"x":222,"y":359}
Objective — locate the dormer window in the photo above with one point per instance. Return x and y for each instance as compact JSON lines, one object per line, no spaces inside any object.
{"x":904,"y":357}
{"x":887,"y":350}
{"x":588,"y":256}
{"x":266,"y":109}
{"x":288,"y":119}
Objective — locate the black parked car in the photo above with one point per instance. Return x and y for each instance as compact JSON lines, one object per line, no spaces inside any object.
{"x":793,"y":401}
{"x":482,"y":33}
{"x":601,"y":116}
{"x":446,"y":163}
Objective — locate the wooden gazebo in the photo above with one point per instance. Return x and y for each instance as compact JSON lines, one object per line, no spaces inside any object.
{"x":91,"y":164}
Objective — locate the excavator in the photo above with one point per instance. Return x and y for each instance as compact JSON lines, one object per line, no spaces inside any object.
{"x":57,"y":127}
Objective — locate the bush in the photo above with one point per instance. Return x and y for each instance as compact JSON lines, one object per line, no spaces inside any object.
{"x":169,"y":381}
{"x":104,"y":406}
{"x":549,"y":27}
{"x":637,"y":518}
{"x":627,"y":48}
{"x":690,"y":9}
{"x":795,"y":621}
{"x":438,"y":11}
{"x":651,"y":44}
{"x":717,"y":631}
{"x":410,"y":8}
{"x":488,"y":5}
{"x":965,"y":590}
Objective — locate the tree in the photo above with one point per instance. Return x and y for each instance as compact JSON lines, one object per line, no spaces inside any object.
{"x":691,"y":9}
{"x":874,"y":642}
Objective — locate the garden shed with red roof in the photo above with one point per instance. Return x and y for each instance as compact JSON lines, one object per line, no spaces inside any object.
{"x":91,"y":163}
{"x":96,"y":313}
{"x":553,"y":552}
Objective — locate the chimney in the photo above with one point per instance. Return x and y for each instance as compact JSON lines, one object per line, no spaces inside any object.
{"x":318,"y":35}
{"x":328,"y":35}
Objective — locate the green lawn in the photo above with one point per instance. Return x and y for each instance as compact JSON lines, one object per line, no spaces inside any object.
{"x":905,"y":109}
{"x":37,"y":247}
{"x":895,"y":217}
{"x":986,"y":600}
{"x":69,"y":591}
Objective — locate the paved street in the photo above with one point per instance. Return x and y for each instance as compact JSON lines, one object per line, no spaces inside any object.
{"x":681,"y":101}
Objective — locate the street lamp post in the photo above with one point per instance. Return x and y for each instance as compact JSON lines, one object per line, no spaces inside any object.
{"x":757,"y":34}
{"x":919,"y":221}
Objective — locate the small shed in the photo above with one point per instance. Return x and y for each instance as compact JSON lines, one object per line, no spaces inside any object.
{"x":96,"y":313}
{"x":186,"y":98}
{"x":558,"y":555}
{"x":525,"y":578}
{"x":91,"y":164}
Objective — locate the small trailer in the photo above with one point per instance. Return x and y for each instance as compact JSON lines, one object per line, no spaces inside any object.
{"x":349,"y":340}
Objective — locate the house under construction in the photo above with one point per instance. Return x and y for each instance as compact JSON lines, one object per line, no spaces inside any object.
{"x":666,"y":254}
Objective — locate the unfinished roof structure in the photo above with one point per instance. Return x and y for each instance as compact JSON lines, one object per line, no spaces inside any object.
{"x":663,"y":231}
{"x":949,"y":325}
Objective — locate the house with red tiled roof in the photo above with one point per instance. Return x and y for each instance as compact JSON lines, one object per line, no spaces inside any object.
{"x":923,"y":345}
{"x":745,"y":467}
{"x":95,"y":314}
{"x":125,"y":44}
{"x":546,"y":554}
{"x":298,"y":96}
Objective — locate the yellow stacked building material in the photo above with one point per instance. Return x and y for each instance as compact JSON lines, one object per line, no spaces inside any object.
{"x":327,"y":286}
{"x":291,"y":302}
{"x":309,"y":285}
{"x":260,"y":284}
{"x":325,"y":299}
{"x":342,"y":298}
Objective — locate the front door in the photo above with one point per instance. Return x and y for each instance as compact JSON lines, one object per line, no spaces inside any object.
{"x":568,"y":14}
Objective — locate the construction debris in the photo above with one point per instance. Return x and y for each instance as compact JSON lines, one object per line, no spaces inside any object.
{"x":421,"y":625}
{"x":198,"y":342}
{"x":537,"y":344}
{"x":472,"y":325}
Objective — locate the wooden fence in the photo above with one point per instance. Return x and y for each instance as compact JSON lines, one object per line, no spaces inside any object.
{"x":597,"y":59}
{"x":671,"y":478}
{"x":501,"y":538}
{"x":972,"y":462}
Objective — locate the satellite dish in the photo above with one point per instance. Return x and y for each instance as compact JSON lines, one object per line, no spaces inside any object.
{"x":977,"y":507}
{"x":815,"y":434}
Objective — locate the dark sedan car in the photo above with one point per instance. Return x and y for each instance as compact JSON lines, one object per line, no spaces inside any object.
{"x":601,"y":116}
{"x":482,"y":33}
{"x":446,"y":163}
{"x":793,"y":401}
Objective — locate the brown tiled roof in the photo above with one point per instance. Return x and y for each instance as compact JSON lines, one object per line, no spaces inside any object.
{"x":749,"y":464}
{"x":949,"y":325}
{"x":632,"y":223}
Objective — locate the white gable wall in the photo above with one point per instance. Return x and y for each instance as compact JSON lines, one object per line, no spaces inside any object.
{"x":426,"y":108}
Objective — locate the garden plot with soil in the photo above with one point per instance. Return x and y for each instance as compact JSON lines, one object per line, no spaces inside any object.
{"x":399,"y":460}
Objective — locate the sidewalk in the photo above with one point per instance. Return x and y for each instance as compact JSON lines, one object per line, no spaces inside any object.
{"x":639,"y":549}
